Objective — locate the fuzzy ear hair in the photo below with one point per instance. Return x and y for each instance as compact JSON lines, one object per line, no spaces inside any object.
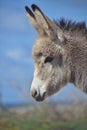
{"x":31,"y":16}
{"x":33,"y":20}
{"x":41,"y":18}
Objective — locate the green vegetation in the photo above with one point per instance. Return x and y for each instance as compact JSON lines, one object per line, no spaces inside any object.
{"x":40,"y":124}
{"x":39,"y":118}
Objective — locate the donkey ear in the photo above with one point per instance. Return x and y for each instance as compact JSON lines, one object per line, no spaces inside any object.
{"x":31,"y":16}
{"x":33,"y":20}
{"x":42,"y":20}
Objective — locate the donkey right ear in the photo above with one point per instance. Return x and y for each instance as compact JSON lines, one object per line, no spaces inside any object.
{"x":42,"y":19}
{"x":33,"y":20}
{"x":40,"y":16}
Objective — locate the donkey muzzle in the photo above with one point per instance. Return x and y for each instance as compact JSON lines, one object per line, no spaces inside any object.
{"x":38,"y":97}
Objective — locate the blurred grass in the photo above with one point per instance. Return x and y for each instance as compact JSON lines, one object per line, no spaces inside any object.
{"x":44,"y":117}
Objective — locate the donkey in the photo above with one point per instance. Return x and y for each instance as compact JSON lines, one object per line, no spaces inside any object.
{"x":60,"y":54}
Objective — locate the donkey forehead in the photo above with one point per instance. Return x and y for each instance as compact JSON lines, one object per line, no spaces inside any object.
{"x":44,"y":46}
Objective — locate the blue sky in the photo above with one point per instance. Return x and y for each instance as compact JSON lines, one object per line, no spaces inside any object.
{"x":17,"y":37}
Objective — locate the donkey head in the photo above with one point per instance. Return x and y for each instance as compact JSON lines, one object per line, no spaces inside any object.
{"x":49,"y":56}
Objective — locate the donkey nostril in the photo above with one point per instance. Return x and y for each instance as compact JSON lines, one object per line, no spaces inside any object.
{"x":34,"y":93}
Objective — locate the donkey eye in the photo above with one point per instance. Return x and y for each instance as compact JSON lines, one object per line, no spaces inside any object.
{"x":39,"y":54}
{"x":48,"y":59}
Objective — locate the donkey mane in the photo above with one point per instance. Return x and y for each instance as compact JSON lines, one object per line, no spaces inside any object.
{"x":72,"y":26}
